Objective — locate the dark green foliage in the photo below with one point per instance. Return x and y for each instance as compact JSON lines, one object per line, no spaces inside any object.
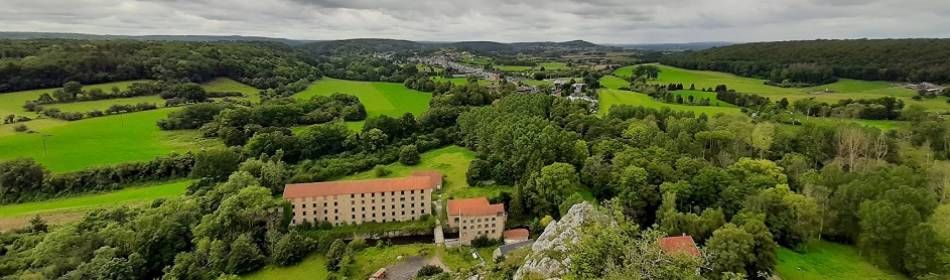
{"x":244,"y":256}
{"x":216,"y":163}
{"x":335,"y":255}
{"x":290,"y":249}
{"x":409,"y":155}
{"x":20,"y":178}
{"x":483,"y":241}
{"x":819,"y":61}
{"x":92,"y":62}
{"x":429,"y":270}
{"x":192,"y":117}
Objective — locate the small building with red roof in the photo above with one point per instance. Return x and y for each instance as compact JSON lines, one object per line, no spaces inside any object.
{"x":516,"y":235}
{"x":474,"y":217}
{"x":679,"y":245}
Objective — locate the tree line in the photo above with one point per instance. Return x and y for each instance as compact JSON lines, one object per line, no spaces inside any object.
{"x":804,"y":63}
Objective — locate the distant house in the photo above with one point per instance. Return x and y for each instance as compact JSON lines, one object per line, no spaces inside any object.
{"x":579,"y":88}
{"x":516,"y":235}
{"x":679,"y":245}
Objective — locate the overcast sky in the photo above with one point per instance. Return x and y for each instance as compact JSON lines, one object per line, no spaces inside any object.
{"x":600,"y":21}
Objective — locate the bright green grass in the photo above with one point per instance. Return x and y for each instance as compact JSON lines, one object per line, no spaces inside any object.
{"x":371,"y":259}
{"x":313,"y":267}
{"x":379,"y":98}
{"x":453,"y":162}
{"x":613,"y":82}
{"x":700,"y":95}
{"x":513,"y":68}
{"x":548,"y":66}
{"x":553,"y":66}
{"x":826,"y":260}
{"x":99,"y":141}
{"x":130,"y":195}
{"x":228,"y":85}
{"x":12,"y":102}
{"x":461,"y":81}
{"x":611,"y":97}
{"x":842,"y":89}
{"x":104,"y":104}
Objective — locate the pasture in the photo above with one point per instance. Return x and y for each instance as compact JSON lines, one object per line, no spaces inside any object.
{"x":830,"y":93}
{"x":71,"y":146}
{"x":16,"y":215}
{"x":452,"y":161}
{"x":611,"y":97}
{"x":379,"y":98}
{"x":832,"y":261}
{"x":701,"y":95}
{"x":613,"y":82}
{"x":548,"y":66}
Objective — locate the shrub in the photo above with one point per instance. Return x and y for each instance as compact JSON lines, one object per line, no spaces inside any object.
{"x":381,"y":171}
{"x":409,"y":155}
{"x":483,"y":241}
{"x":429,"y":270}
{"x":20,"y":128}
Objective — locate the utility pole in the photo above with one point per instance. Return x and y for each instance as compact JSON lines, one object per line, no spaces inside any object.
{"x":44,"y":143}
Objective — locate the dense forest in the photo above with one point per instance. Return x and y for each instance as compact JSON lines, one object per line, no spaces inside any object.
{"x":33,"y":64}
{"x":796,"y":63}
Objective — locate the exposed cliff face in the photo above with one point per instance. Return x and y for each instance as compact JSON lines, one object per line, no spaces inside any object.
{"x":549,"y":254}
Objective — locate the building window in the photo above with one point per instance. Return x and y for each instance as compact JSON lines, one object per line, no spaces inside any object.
{"x":304,"y":206}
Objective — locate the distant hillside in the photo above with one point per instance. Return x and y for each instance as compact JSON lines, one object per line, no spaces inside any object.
{"x":801,"y":61}
{"x":183,"y":38}
{"x":483,"y":47}
{"x":695,"y":46}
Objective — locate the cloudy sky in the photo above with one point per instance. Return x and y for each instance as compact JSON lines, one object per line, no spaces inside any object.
{"x":601,"y":21}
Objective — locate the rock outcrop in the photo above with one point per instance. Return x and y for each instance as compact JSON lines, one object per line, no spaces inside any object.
{"x":549,"y":254}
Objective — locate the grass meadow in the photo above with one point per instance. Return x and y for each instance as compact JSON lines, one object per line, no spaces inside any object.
{"x":611,"y":97}
{"x":379,"y":98}
{"x":452,"y":161}
{"x":17,"y":215}
{"x":830,"y":261}
{"x":842,"y":89}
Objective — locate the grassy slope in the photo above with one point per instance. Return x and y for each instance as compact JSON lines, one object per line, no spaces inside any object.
{"x":143,"y":193}
{"x":843,"y":89}
{"x":227,"y":84}
{"x":313,"y":267}
{"x":699,"y":95}
{"x":99,"y":141}
{"x":826,"y":260}
{"x":611,"y":97}
{"x":453,"y":161}
{"x":379,"y":98}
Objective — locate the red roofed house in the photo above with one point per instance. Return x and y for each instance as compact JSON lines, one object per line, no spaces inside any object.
{"x":360,"y":201}
{"x":679,"y":245}
{"x":474,"y":217}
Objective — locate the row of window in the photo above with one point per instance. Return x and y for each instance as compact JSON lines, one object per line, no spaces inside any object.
{"x":373,"y":201}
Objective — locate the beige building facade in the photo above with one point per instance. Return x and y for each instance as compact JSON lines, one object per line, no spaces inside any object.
{"x":474,"y":217}
{"x":354,"y":202}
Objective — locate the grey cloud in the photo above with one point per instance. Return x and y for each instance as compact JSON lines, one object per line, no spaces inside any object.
{"x":604,"y":21}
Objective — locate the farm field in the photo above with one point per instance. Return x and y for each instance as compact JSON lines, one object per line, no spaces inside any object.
{"x":842,"y":89}
{"x":611,"y":97}
{"x":229,"y":85}
{"x":453,"y":161}
{"x":379,"y":98}
{"x":12,"y":102}
{"x":459,"y":81}
{"x":613,"y":82}
{"x":15,"y":215}
{"x":519,"y":68}
{"x":700,"y":95}
{"x":99,"y":141}
{"x":831,"y":261}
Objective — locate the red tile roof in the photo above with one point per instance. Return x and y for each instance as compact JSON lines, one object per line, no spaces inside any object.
{"x":434,"y":176}
{"x":474,"y":207}
{"x":679,"y":244}
{"x":331,"y":188}
{"x":516,"y":234}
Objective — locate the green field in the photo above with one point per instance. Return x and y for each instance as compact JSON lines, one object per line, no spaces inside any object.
{"x":459,"y":81}
{"x":12,"y":102}
{"x":379,"y":98}
{"x":99,"y":141}
{"x":453,"y":161}
{"x":313,"y":267}
{"x":229,"y":85}
{"x":66,"y":209}
{"x":842,"y":89}
{"x":826,"y":260}
{"x":700,"y":95}
{"x":611,"y":97}
{"x":613,"y":82}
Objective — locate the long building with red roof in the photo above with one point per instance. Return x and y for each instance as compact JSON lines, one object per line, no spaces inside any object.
{"x":474,"y":217}
{"x":361,"y":201}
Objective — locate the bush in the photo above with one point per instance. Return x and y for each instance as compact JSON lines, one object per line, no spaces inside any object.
{"x":483,"y":241}
{"x":381,"y":171}
{"x":429,"y":270}
{"x":20,"y":128}
{"x":409,"y":155}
